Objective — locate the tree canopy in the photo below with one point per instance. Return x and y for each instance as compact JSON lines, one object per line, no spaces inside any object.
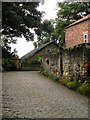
{"x":45,"y":33}
{"x":18,"y":18}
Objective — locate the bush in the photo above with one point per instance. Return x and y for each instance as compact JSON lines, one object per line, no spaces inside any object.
{"x":9,"y":64}
{"x":56,"y":78}
{"x":73,"y":85}
{"x":44,"y":73}
{"x":53,"y":77}
{"x":85,"y":89}
{"x":65,"y":82}
{"x":41,"y":69}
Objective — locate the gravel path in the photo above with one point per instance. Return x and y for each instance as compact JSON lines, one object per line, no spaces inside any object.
{"x":31,"y":95}
{"x":0,"y":95}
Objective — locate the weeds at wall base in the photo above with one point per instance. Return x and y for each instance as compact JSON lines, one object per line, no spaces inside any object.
{"x":82,"y":88}
{"x":50,"y":76}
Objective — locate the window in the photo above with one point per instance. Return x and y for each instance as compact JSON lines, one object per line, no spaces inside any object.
{"x":47,"y":60}
{"x":85,"y":38}
{"x":48,"y":50}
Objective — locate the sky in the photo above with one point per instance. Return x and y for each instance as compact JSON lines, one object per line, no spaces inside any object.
{"x":50,"y":8}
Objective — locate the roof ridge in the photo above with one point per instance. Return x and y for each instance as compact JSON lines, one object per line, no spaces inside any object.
{"x":32,"y":52}
{"x":79,"y":20}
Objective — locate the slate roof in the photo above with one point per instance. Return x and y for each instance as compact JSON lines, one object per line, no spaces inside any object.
{"x":79,"y":21}
{"x":33,"y":52}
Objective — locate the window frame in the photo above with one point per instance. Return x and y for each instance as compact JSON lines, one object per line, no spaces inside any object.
{"x":85,"y":40}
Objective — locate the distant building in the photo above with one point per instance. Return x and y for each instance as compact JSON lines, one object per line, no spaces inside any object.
{"x":78,"y":32}
{"x":48,"y":53}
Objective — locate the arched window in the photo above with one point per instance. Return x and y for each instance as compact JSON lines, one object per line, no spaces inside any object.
{"x":47,"y":60}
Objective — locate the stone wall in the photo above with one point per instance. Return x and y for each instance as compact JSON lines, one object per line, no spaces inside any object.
{"x":54,"y":64}
{"x":31,"y":68}
{"x":69,"y":63}
{"x":74,"y":61}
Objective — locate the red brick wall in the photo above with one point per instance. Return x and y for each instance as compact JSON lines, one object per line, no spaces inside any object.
{"x":74,"y":34}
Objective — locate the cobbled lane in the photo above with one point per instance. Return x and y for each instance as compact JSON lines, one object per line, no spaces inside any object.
{"x":30,"y":95}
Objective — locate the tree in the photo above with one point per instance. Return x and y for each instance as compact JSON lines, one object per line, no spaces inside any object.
{"x":35,"y":45}
{"x":68,"y":12}
{"x":45,"y":33}
{"x":18,"y":18}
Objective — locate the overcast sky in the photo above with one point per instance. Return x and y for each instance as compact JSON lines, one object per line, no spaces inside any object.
{"x":50,"y":8}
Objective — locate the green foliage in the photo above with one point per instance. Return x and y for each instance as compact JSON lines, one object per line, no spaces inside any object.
{"x":44,"y":73}
{"x":65,"y":82}
{"x":72,"y":11}
{"x":9,"y":64}
{"x":45,"y":33}
{"x":49,"y":75}
{"x":73,"y":85}
{"x":85,"y":88}
{"x":27,"y":62}
{"x":59,"y":32}
{"x":7,"y":54}
{"x":41,"y":69}
{"x":35,"y":62}
{"x":53,"y":77}
{"x":19,"y":17}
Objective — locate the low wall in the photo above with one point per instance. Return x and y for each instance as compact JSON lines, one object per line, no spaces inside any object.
{"x":69,"y":62}
{"x":31,"y":68}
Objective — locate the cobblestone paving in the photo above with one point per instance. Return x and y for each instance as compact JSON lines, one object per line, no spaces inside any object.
{"x":31,"y":95}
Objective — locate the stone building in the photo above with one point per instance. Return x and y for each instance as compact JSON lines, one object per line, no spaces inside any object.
{"x":48,"y":53}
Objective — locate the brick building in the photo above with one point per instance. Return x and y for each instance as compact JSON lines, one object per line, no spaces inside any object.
{"x":78,"y":32}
